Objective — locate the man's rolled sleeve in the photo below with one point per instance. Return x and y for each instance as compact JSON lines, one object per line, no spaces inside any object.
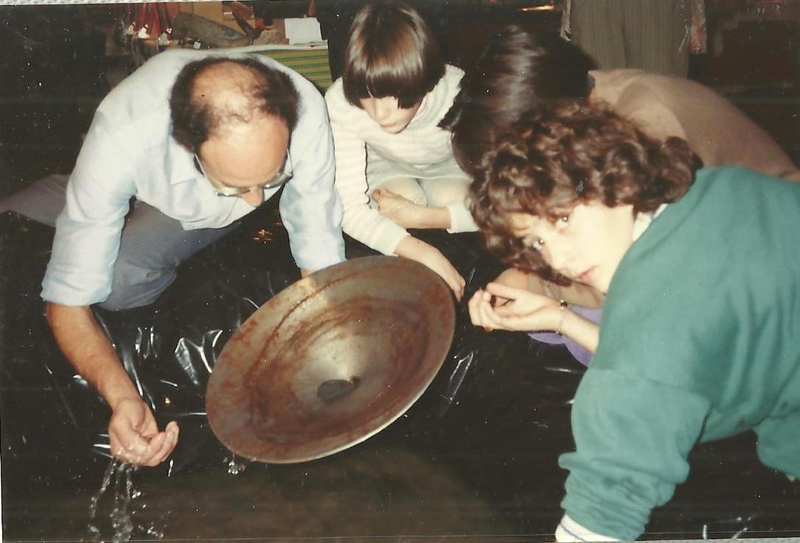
{"x":86,"y":243}
{"x":632,"y":437}
{"x":310,"y":207}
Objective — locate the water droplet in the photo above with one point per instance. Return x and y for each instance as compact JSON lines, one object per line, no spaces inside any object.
{"x":237,"y":465}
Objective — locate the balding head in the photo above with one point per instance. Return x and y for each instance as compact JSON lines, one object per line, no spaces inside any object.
{"x":213,"y":95}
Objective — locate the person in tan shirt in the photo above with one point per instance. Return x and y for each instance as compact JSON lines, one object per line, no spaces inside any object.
{"x":716,"y":130}
{"x":519,"y":71}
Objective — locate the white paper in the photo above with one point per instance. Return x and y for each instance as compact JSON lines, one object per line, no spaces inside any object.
{"x":305,"y":30}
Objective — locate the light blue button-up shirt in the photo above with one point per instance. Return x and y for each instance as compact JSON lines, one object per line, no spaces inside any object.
{"x":129,"y":151}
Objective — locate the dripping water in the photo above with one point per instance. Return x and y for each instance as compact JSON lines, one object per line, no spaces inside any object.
{"x":237,"y":464}
{"x":112,"y":509}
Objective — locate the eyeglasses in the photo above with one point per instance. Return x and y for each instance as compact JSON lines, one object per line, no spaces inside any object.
{"x":281,"y":178}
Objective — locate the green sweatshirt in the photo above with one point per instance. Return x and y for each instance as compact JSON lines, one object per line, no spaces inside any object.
{"x":700,"y":340}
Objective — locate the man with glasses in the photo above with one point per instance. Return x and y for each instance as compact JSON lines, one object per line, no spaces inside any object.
{"x":221,"y":189}
{"x":175,"y":156}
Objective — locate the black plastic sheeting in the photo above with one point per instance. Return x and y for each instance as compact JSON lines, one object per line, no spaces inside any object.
{"x":169,"y":348}
{"x":498,"y":412}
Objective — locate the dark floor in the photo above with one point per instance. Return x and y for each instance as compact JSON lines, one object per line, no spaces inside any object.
{"x":477,"y":462}
{"x":474,"y":462}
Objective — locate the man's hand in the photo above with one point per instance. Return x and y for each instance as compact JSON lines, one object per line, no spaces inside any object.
{"x":134,"y":435}
{"x":415,"y":249}
{"x":132,"y":430}
{"x":522,"y":311}
{"x":407,"y":214}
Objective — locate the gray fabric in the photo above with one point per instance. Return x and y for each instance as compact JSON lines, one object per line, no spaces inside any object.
{"x":151,"y":248}
{"x":651,"y":35}
{"x":41,"y":201}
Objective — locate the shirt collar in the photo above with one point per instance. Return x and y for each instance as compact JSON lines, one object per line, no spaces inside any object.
{"x":643,"y":220}
{"x":179,"y":164}
{"x":422,"y":111}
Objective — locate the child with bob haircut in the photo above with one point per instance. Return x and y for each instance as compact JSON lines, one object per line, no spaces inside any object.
{"x":394,"y":166}
{"x":702,"y":314}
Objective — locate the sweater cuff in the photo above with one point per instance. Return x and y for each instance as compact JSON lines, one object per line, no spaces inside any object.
{"x":570,"y":531}
{"x":391,"y":243}
{"x":460,"y":218}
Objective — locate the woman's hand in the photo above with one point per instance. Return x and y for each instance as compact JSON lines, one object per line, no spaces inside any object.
{"x":415,"y":249}
{"x":526,"y":311}
{"x":512,"y":277}
{"x":521,"y":310}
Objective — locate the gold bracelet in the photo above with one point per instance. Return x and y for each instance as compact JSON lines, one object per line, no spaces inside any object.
{"x":562,"y":307}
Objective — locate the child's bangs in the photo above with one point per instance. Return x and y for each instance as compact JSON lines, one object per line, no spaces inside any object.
{"x":380,"y":82}
{"x":394,"y":78}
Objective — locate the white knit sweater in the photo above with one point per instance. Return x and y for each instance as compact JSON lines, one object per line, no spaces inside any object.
{"x":365,"y":154}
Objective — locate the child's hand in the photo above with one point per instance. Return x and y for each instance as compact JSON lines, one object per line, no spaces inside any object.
{"x":522,"y":310}
{"x":398,"y":208}
{"x":430,"y":256}
{"x":438,"y":263}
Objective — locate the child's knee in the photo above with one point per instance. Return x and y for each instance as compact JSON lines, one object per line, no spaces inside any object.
{"x":406,"y":187}
{"x":443,"y":192}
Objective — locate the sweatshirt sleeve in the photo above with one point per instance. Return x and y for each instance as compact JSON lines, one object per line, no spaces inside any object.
{"x":632,"y":439}
{"x":569,"y":531}
{"x":460,"y":218}
{"x":360,"y":221}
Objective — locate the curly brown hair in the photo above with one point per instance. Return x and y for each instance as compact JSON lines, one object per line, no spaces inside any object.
{"x":566,"y":154}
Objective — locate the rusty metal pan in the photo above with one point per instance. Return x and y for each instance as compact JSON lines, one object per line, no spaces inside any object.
{"x":331,"y":360}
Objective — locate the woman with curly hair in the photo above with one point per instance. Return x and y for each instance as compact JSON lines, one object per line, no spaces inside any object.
{"x":702,"y":280}
{"x":520,"y":70}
